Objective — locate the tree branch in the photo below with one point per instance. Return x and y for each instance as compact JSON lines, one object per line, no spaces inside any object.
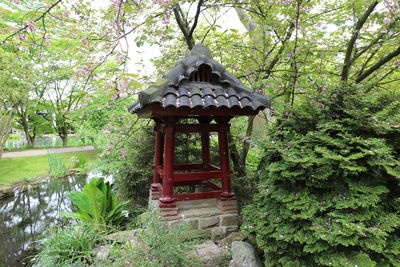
{"x":350,"y":46}
{"x":36,"y":20}
{"x":196,"y":18}
{"x":378,"y":64}
{"x":276,"y":58}
{"x":183,"y":26}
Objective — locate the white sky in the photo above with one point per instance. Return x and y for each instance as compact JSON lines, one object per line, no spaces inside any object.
{"x":146,"y":52}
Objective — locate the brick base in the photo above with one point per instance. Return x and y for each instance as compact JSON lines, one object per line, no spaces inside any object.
{"x":168,"y":211}
{"x":154,"y":194}
{"x":227,"y":205}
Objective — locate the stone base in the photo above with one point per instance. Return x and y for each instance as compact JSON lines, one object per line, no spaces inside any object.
{"x":168,"y":211}
{"x":204,"y":216}
{"x":154,"y":194}
{"x":227,"y":204}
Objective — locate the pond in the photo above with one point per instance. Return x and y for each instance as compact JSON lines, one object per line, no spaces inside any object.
{"x":24,"y":216}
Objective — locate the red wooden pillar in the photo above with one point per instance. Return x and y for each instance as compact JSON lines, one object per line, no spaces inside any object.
{"x":205,"y":142}
{"x":224,"y":157}
{"x":205,"y":148}
{"x":158,"y":158}
{"x":168,"y":179}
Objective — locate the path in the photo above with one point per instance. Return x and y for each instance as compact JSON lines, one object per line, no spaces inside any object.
{"x":37,"y":152}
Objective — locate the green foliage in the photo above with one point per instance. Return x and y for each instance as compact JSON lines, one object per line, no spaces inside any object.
{"x":160,"y":245}
{"x":97,"y":205}
{"x":329,"y":190}
{"x":70,"y":246}
{"x":56,"y":165}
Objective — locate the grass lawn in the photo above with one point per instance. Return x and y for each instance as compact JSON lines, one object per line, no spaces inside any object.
{"x":28,"y":168}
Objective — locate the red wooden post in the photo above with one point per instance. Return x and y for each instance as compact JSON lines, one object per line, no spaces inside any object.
{"x":168,"y":180}
{"x":205,"y":148}
{"x":224,"y":157}
{"x":205,"y":141}
{"x":158,"y":158}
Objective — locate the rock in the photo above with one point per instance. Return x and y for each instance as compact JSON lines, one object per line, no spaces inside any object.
{"x":122,"y":236}
{"x":191,"y":223}
{"x":6,"y":191}
{"x":235,"y":236}
{"x":217,"y":232}
{"x":244,"y":255}
{"x":229,"y":220}
{"x":102,"y":252}
{"x":210,"y":254}
{"x":208,"y":222}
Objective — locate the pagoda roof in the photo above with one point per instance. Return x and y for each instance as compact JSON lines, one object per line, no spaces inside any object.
{"x":198,"y":82}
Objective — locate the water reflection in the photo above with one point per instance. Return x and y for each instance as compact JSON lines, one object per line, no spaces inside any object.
{"x":24,"y":216}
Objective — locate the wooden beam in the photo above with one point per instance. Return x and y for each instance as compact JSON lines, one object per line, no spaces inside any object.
{"x":212,"y":185}
{"x":189,"y":166}
{"x":197,"y":176}
{"x":187,"y":183}
{"x":199,"y":195}
{"x":196,"y":128}
{"x":156,"y":110}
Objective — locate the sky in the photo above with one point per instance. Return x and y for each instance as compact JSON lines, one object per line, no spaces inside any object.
{"x":146,"y":52}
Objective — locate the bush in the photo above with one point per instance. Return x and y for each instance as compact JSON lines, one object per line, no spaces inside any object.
{"x":160,"y":245}
{"x":133,"y":174}
{"x":329,"y":190}
{"x":66,"y":247}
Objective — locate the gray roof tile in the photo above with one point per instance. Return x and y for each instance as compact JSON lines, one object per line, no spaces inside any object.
{"x":177,"y":90}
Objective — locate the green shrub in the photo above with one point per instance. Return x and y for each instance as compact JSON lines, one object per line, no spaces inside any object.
{"x":97,"y":205}
{"x":133,"y":174}
{"x":66,"y":247}
{"x":329,"y":190}
{"x":56,"y":165}
{"x":160,"y":245}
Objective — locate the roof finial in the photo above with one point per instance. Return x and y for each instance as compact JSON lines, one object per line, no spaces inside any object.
{"x":200,"y":50}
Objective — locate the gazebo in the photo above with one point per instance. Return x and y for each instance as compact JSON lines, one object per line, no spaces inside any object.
{"x":197,"y":87}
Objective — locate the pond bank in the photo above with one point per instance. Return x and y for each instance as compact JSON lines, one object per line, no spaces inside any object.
{"x":37,"y":152}
{"x":19,"y":169}
{"x":24,"y":185}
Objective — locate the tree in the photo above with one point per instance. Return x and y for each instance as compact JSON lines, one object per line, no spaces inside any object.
{"x":56,"y":63}
{"x":5,"y":127}
{"x":11,"y":95}
{"x":329,"y":188}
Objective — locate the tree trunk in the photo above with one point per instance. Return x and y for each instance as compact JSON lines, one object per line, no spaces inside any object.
{"x":30,"y":139}
{"x":5,"y":124}
{"x":64,"y":139}
{"x":24,"y":121}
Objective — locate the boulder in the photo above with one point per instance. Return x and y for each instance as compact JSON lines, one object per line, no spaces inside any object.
{"x":235,"y":236}
{"x":6,"y":191}
{"x":102,"y":252}
{"x":210,"y":254}
{"x":122,"y":236}
{"x":244,"y":255}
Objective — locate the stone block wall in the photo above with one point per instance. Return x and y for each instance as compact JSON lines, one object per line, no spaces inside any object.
{"x":204,"y":216}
